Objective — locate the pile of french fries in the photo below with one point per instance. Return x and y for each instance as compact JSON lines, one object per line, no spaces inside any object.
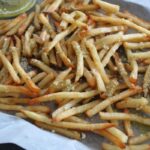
{"x":79,"y":56}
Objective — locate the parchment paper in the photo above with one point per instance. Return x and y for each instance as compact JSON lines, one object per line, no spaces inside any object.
{"x":30,"y":137}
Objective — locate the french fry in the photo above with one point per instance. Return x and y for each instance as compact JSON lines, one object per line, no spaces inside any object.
{"x":80,"y":63}
{"x":15,"y":89}
{"x":15,"y":29}
{"x":26,"y":23}
{"x":135,"y":37}
{"x":67,"y":125}
{"x":110,"y":53}
{"x":59,"y":37}
{"x":140,"y":139}
{"x":146,"y":82}
{"x":129,"y":147}
{"x":118,"y":21}
{"x":99,"y":81}
{"x":11,"y":101}
{"x":104,"y":30}
{"x":109,"y":8}
{"x":127,"y":126}
{"x":124,"y":116}
{"x":37,"y":78}
{"x":108,"y":40}
{"x":42,"y":66}
{"x":136,"y":46}
{"x":46,"y":81}
{"x":122,"y":70}
{"x":68,"y":133}
{"x":9,"y":67}
{"x":90,"y":45}
{"x":64,"y":95}
{"x":36,"y":21}
{"x":75,"y":110}
{"x":13,"y":23}
{"x":135,"y":19}
{"x":129,"y":102}
{"x":22,"y":73}
{"x":89,"y":77}
{"x":54,"y":6}
{"x":27,"y":46}
{"x":102,"y":105}
{"x":63,"y":56}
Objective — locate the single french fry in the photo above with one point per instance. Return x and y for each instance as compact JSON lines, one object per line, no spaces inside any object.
{"x":75,"y":110}
{"x":118,"y":21}
{"x":89,"y":77}
{"x":68,"y":133}
{"x":146,"y":82}
{"x":27,"y":46}
{"x":122,"y":70}
{"x":108,"y":40}
{"x":22,"y":73}
{"x":54,"y":6}
{"x":134,"y":19}
{"x":104,"y":30}
{"x":90,"y":45}
{"x":9,"y":67}
{"x":11,"y":100}
{"x":110,"y":53}
{"x":129,"y":102}
{"x":80,"y":63}
{"x":15,"y":89}
{"x":136,"y":46}
{"x":109,"y":8}
{"x":140,"y":139}
{"x":128,"y":147}
{"x":102,"y":105}
{"x":124,"y":116}
{"x":36,"y":21}
{"x":42,"y":66}
{"x":64,"y":95}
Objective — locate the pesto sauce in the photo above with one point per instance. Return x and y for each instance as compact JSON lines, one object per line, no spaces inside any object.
{"x":9,"y":8}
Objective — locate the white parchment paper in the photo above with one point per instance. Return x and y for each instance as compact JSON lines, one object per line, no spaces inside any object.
{"x":30,"y":137}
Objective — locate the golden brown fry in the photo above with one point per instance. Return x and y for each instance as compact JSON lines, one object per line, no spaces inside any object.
{"x":80,"y":63}
{"x":22,"y":73}
{"x":68,"y":133}
{"x":124,"y":116}
{"x":93,"y":51}
{"x":63,"y":56}
{"x":89,"y":77}
{"x":42,"y":66}
{"x":59,"y":37}
{"x":138,"y":103}
{"x":64,"y":95}
{"x":10,"y":68}
{"x":128,"y":147}
{"x":75,"y":110}
{"x":118,"y":21}
{"x":109,"y":8}
{"x":102,"y":105}
{"x":140,"y":139}
{"x":68,"y":125}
